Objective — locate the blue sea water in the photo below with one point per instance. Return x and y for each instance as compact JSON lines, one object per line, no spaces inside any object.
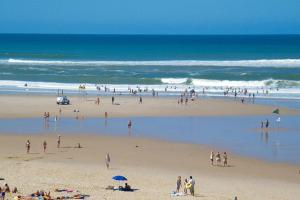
{"x":214,"y":62}
{"x":240,"y":135}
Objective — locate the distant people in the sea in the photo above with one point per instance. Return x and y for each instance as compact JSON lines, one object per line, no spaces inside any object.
{"x":28,"y":146}
{"x":107,"y":160}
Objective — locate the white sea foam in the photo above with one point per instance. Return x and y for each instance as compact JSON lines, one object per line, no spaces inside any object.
{"x":215,"y":63}
{"x":174,"y":80}
{"x":212,"y":87}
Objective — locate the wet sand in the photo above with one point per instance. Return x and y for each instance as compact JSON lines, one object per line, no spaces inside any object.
{"x":151,"y":166}
{"x":24,"y":106}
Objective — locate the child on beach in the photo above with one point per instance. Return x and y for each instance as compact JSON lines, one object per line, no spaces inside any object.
{"x":185,"y":186}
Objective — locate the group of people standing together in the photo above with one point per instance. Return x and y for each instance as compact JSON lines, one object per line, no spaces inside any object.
{"x":187,"y":185}
{"x":218,"y":158}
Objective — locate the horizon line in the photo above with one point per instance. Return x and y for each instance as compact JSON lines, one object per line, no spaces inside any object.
{"x":157,"y":34}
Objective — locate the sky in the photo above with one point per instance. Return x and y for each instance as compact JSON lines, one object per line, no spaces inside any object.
{"x":150,"y":16}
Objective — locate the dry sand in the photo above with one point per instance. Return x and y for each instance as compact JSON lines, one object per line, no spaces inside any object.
{"x":22,"y":106}
{"x":151,"y":166}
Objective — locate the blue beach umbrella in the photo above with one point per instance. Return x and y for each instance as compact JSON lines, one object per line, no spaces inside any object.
{"x":119,"y":178}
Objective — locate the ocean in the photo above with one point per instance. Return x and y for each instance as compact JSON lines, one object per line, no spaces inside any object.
{"x":171,"y":63}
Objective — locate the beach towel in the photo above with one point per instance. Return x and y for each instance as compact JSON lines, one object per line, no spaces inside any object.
{"x":174,"y":194}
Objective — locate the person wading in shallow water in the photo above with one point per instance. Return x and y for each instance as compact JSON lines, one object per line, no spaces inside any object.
{"x":129,"y":124}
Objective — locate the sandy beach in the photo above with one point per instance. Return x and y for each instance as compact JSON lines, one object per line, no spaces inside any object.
{"x":151,"y":166}
{"x":25,"y":106}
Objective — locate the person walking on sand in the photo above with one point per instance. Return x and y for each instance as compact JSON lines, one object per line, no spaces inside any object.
{"x":212,"y":157}
{"x":58,"y":141}
{"x":112,"y":100}
{"x":192,"y":187}
{"x":105,"y":115}
{"x":107,"y":160}
{"x":218,"y":158}
{"x":45,"y":146}
{"x":28,"y":146}
{"x":225,"y":159}
{"x":141,"y":100}
{"x":179,"y":185}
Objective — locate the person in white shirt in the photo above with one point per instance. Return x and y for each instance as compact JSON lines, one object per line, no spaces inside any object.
{"x":192,"y":188}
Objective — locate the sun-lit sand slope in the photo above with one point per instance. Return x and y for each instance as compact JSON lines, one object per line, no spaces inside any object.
{"x":150,"y":166}
{"x":13,"y":106}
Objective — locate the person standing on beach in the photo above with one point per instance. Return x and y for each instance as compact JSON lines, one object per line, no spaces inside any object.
{"x":141,"y":100}
{"x":185,"y":186}
{"x":192,"y":188}
{"x":225,"y":158}
{"x":107,"y":160}
{"x":218,"y":158}
{"x":28,"y":146}
{"x":212,"y":157}
{"x":105,"y":115}
{"x":112,"y":100}
{"x":58,"y":141}
{"x":179,"y":185}
{"x":45,"y":146}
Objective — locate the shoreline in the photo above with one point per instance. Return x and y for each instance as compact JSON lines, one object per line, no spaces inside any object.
{"x":30,"y":106}
{"x":150,"y":165}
